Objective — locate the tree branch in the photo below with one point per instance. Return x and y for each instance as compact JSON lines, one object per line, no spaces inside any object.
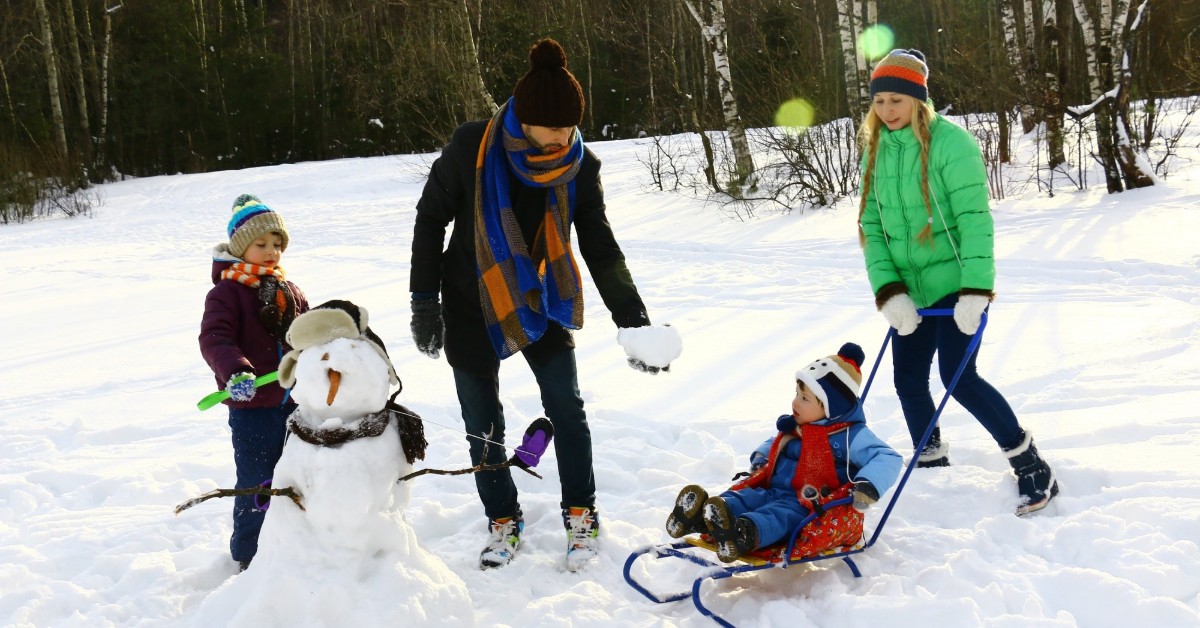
{"x":287,"y":491}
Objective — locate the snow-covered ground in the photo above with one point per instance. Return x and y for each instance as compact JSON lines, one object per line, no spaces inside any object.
{"x":1094,"y":339}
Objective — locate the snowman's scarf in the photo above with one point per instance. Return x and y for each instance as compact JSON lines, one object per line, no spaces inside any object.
{"x":408,"y":427}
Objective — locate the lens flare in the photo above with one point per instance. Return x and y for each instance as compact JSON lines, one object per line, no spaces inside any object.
{"x":795,"y":113}
{"x":876,"y":41}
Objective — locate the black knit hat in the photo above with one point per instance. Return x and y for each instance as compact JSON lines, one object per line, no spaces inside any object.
{"x":548,"y":95}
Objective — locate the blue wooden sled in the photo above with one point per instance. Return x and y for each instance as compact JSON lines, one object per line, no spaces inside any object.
{"x":716,"y":571}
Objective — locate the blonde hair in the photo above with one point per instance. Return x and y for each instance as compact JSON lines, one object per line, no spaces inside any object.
{"x":868,"y":139}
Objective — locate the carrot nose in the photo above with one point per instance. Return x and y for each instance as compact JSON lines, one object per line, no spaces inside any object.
{"x":335,"y":379}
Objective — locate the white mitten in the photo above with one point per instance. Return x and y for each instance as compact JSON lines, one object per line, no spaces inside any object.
{"x":651,"y":348}
{"x":968,"y":311}
{"x":901,"y":313}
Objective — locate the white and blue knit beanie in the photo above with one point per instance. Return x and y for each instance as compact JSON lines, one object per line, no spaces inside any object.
{"x":835,"y":379}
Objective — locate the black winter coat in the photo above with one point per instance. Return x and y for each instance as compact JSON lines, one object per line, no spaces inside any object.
{"x":449,"y":195}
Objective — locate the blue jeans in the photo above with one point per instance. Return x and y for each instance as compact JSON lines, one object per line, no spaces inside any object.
{"x":912,"y":358}
{"x":258,"y":435}
{"x":483,"y":415}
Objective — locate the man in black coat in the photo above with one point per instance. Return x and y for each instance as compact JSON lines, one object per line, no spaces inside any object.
{"x":509,"y":283}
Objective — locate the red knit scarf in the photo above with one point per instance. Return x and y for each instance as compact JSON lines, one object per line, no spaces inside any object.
{"x":816,"y":457}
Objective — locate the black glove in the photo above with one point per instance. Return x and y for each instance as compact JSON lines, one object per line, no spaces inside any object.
{"x":428,"y":331}
{"x":865,"y":495}
{"x":646,"y":368}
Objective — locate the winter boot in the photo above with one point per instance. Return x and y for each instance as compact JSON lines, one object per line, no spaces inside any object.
{"x":687,"y":517}
{"x":583,"y":532}
{"x":728,"y":533}
{"x":1035,"y":480}
{"x":503,"y":543}
{"x":243,"y":565}
{"x":935,"y":453}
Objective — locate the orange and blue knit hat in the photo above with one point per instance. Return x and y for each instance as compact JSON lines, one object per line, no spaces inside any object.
{"x":251,"y":220}
{"x":903,"y":72}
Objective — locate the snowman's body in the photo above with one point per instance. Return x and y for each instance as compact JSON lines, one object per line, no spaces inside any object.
{"x":349,"y":558}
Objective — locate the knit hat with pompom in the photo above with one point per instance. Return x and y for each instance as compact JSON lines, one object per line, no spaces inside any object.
{"x":903,"y":72}
{"x":548,"y":95}
{"x":251,"y":220}
{"x":835,"y":379}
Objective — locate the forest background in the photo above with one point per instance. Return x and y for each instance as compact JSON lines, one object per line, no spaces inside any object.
{"x":95,"y":90}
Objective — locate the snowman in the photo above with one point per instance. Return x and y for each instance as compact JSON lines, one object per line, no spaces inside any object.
{"x":347,"y":557}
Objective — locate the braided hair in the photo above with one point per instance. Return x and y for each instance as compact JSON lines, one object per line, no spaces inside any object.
{"x":868,"y":139}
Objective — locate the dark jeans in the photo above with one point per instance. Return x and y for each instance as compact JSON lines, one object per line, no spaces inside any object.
{"x":557,"y":378}
{"x":258,"y":435}
{"x":912,"y":358}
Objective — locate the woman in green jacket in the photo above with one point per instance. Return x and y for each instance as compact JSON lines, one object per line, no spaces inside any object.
{"x":926,"y":231}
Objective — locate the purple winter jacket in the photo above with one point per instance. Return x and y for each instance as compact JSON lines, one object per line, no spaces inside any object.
{"x":232,"y":340}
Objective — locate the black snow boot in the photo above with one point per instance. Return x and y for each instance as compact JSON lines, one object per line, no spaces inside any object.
{"x":1035,"y":479}
{"x":688,"y":517}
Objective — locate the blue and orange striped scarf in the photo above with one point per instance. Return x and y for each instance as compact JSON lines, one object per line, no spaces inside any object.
{"x":522,"y":288}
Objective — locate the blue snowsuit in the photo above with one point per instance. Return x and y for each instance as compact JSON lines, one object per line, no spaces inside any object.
{"x":775,"y":509}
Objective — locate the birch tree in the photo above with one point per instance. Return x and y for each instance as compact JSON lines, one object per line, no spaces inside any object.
{"x":105,"y":52}
{"x":1104,"y":31}
{"x":1018,"y":59}
{"x":714,"y":31}
{"x":471,"y":54}
{"x":51,"y":60}
{"x":848,"y":32}
{"x":1046,"y":65}
{"x":80,"y":80}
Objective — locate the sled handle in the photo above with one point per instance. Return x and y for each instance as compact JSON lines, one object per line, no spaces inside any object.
{"x":972,"y":347}
{"x":941,"y":311}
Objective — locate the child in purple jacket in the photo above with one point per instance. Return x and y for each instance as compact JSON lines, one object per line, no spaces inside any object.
{"x":246,"y":316}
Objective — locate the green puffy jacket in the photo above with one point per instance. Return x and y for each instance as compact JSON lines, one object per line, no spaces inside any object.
{"x":959,"y":255}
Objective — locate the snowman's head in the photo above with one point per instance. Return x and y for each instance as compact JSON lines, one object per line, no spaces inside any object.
{"x":325,"y":323}
{"x":344,"y":378}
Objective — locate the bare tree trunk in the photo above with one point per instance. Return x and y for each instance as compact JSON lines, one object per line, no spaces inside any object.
{"x":1016,"y":61}
{"x":471,"y":54}
{"x":105,"y":53}
{"x":1109,"y":82}
{"x":654,"y":123}
{"x":868,"y":16}
{"x":51,"y":59}
{"x":1127,"y":157}
{"x":80,"y":83}
{"x":587,"y":47}
{"x":1052,"y":102}
{"x":1097,"y":43}
{"x":715,"y":36}
{"x":846,"y":28}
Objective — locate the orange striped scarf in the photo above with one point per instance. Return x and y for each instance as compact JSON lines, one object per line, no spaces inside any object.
{"x":277,"y":304}
{"x":248,"y":274}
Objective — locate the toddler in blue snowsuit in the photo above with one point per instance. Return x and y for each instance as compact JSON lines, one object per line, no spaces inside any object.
{"x":822,"y":448}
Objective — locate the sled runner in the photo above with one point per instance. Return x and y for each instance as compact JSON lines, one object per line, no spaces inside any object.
{"x":785,"y":555}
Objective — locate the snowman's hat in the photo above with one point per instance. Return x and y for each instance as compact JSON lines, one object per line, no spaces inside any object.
{"x":326,"y":322}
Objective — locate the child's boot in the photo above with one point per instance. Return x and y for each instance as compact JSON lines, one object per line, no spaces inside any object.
{"x":687,"y":516}
{"x":729,"y":534}
{"x":1035,"y":479}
